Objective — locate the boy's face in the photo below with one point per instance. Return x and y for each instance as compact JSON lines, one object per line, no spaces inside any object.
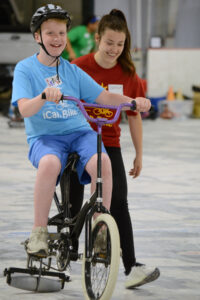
{"x":54,"y":36}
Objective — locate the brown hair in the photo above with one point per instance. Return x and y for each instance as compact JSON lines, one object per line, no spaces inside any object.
{"x":55,"y":19}
{"x":116,"y":21}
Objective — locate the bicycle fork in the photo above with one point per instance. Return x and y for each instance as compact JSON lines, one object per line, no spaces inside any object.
{"x":98,"y":208}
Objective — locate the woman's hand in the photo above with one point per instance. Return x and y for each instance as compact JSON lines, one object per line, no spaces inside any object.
{"x":137,"y":167}
{"x":142,"y":104}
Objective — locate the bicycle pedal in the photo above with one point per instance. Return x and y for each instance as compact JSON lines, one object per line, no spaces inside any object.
{"x":38,"y":255}
{"x":53,"y":236}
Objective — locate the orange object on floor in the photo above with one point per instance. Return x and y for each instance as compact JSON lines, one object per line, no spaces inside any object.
{"x":170,"y":94}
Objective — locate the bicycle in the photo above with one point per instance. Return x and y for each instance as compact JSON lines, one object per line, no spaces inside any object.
{"x":100,"y":263}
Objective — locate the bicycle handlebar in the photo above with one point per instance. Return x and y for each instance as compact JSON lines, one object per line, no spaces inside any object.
{"x":98,"y":120}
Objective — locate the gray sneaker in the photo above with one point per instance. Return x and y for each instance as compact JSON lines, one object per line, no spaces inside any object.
{"x":37,"y":244}
{"x":140,"y":275}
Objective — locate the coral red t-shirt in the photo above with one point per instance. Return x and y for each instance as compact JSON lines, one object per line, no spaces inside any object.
{"x":114,"y":80}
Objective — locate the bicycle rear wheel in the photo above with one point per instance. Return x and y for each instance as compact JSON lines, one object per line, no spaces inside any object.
{"x":100,"y":272}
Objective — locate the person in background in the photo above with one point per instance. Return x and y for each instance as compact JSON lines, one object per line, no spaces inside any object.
{"x":56,"y":129}
{"x":167,"y":113}
{"x":112,"y":67}
{"x":80,"y":39}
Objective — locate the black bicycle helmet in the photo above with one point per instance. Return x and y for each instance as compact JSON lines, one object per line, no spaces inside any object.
{"x":46,"y":12}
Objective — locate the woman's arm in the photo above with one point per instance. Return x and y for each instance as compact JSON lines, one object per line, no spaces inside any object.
{"x":106,"y":97}
{"x":135,"y":125}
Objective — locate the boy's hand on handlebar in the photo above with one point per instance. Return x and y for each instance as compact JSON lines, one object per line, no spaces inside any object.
{"x":52,"y":94}
{"x":142,"y":104}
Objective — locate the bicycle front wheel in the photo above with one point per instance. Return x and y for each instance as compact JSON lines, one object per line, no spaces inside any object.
{"x":100,"y":271}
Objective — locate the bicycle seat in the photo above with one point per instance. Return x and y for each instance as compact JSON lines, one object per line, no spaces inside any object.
{"x":72,"y":160}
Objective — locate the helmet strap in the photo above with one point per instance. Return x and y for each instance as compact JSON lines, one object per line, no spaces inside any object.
{"x":56,"y":58}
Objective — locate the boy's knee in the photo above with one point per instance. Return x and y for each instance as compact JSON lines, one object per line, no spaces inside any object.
{"x":105,"y":158}
{"x":105,"y":162}
{"x":50,"y":164}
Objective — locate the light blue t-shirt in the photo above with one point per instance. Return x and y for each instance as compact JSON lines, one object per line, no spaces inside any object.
{"x":31,"y":78}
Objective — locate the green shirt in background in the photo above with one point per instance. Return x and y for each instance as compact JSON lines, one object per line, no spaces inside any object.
{"x":81,"y":40}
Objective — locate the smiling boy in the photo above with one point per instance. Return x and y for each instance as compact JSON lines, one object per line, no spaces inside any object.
{"x":54,"y":130}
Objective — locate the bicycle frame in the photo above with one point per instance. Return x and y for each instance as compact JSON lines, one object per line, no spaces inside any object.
{"x":99,"y":122}
{"x":63,"y":220}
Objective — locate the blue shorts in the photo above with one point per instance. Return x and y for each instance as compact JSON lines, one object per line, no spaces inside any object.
{"x":82,"y":142}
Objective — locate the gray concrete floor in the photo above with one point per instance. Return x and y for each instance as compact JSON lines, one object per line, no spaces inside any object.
{"x":164,"y":204}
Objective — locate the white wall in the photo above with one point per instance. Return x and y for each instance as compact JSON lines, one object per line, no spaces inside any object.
{"x":102,"y":7}
{"x":179,"y":68}
{"x":188,"y":23}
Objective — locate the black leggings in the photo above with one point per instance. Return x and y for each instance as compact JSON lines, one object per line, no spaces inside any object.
{"x":119,"y":205}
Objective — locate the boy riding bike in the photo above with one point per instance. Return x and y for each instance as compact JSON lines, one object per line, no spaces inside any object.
{"x":56,"y":129}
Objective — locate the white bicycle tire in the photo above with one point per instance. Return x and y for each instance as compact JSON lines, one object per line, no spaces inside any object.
{"x":115,"y":258}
